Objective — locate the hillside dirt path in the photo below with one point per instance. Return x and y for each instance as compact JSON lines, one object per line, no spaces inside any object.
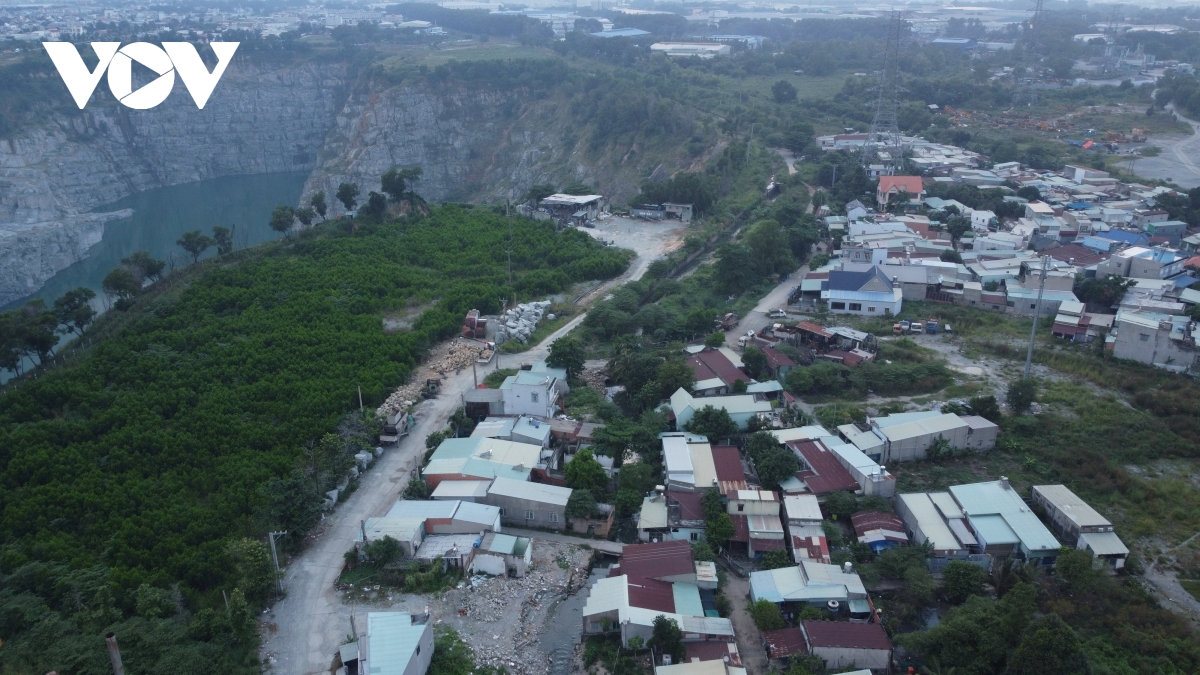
{"x":302,"y":632}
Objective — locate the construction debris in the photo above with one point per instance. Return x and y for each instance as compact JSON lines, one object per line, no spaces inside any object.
{"x":517,"y":324}
{"x":595,"y":377}
{"x":449,"y":358}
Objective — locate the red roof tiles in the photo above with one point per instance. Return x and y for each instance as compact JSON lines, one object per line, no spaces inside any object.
{"x":910,"y":184}
{"x":845,"y":635}
{"x":728,"y":462}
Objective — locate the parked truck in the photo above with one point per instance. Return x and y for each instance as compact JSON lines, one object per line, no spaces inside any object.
{"x":931,"y":326}
{"x":727,"y":322}
{"x":900,"y":328}
{"x":396,"y":426}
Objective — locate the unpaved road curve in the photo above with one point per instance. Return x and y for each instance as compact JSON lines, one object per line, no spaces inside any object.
{"x":1179,"y":160}
{"x":303,"y":631}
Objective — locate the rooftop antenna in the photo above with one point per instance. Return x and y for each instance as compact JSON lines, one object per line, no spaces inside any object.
{"x":884,"y":128}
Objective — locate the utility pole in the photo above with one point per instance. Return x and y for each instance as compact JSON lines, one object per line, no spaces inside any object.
{"x":474,"y":375}
{"x":833,"y":182}
{"x":114,"y":654}
{"x":749,"y":141}
{"x":1037,"y":312}
{"x":275,"y":557}
{"x":360,"y":405}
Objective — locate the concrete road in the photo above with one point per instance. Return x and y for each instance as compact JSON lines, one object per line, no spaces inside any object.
{"x":303,"y":631}
{"x":776,"y":299}
{"x":749,"y":638}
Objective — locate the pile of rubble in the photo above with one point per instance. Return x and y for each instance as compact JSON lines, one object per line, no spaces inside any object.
{"x":461,"y":354}
{"x":402,"y":399}
{"x":594,"y":377}
{"x":455,"y":356}
{"x":517,"y":324}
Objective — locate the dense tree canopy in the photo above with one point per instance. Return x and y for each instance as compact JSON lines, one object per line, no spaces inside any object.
{"x":185,"y":431}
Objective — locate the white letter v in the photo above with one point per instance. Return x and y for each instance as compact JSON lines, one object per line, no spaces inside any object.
{"x":199,"y":82}
{"x":74,"y":72}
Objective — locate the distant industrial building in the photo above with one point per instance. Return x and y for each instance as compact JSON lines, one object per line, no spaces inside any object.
{"x":702,"y":50}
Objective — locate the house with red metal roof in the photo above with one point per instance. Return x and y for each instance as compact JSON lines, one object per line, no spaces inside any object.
{"x":879,"y":530}
{"x":714,"y":373}
{"x":820,"y":471}
{"x":842,"y":644}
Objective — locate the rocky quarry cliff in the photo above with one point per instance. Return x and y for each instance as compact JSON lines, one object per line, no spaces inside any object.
{"x":482,"y":144}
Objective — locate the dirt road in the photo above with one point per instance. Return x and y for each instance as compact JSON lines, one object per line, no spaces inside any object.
{"x":749,"y":638}
{"x":1179,"y":160}
{"x":303,"y":631}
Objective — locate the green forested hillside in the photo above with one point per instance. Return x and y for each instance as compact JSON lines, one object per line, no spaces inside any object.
{"x":144,"y":459}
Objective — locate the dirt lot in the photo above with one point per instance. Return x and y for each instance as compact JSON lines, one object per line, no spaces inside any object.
{"x":501,"y":618}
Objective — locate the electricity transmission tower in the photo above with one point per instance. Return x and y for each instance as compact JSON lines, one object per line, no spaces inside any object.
{"x":1026,"y":94}
{"x":883,"y":142}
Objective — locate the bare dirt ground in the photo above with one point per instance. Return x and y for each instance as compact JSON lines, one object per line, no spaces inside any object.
{"x":302,"y":632}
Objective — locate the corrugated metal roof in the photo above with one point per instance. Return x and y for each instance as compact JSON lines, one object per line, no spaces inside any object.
{"x":456,"y":489}
{"x":1104,"y":543}
{"x":422,"y":509}
{"x":392,"y":640}
{"x":930,"y":522}
{"x":687,"y":599}
{"x":991,"y":498}
{"x":846,"y":635}
{"x":400,"y":529}
{"x":704,"y":470}
{"x":504,"y":544}
{"x":484,"y":514}
{"x":538,"y":492}
{"x":806,"y":433}
{"x":606,"y":595}
{"x":1074,"y":508}
{"x":802,"y":507}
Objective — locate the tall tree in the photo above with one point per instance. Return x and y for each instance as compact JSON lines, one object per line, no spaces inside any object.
{"x":667,"y":638}
{"x":196,"y":242}
{"x":143,"y":267}
{"x":567,"y":353}
{"x":347,"y":194}
{"x":538,"y":192}
{"x":397,"y":183}
{"x":305,"y":216}
{"x":223,"y":237}
{"x":585,"y":473}
{"x":376,"y":207}
{"x":74,"y":311}
{"x":769,"y":249}
{"x":755,"y":361}
{"x":282,"y":218}
{"x":39,"y":329}
{"x":715,"y":423}
{"x":1049,"y":646}
{"x":120,"y":286}
{"x":581,"y":504}
{"x":317,"y":203}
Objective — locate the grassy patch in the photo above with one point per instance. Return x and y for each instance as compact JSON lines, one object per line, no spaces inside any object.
{"x":496,"y":378}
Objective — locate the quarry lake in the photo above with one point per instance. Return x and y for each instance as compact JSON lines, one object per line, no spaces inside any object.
{"x":160,"y":216}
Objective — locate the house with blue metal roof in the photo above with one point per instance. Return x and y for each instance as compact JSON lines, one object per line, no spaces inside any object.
{"x":868,"y":293}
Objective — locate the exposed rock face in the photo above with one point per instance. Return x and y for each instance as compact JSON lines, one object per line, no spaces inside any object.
{"x":485,"y":144}
{"x":54,"y":174}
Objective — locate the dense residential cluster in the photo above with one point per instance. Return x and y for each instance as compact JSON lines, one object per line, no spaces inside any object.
{"x":1097,"y":257}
